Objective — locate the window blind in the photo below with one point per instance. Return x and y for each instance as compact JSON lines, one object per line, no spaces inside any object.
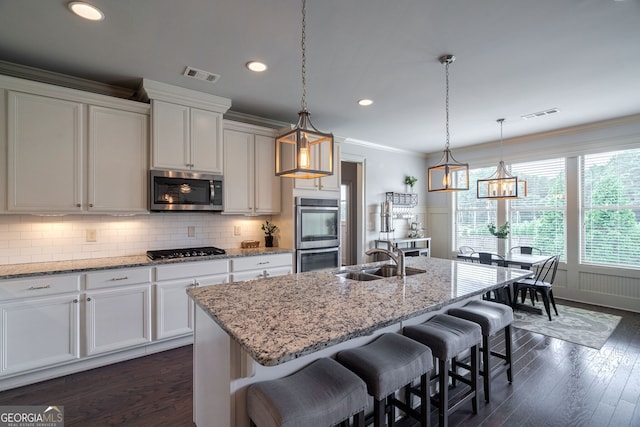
{"x":611,"y":208}
{"x":540,"y":219}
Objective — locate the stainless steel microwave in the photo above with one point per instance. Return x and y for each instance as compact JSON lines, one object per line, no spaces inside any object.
{"x":185,"y":191}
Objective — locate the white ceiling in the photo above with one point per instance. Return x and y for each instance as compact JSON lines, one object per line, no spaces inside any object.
{"x":513,"y":58}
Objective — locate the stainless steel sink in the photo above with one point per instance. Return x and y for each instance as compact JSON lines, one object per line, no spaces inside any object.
{"x":359,"y":275}
{"x":377,"y":273}
{"x":392,"y":270}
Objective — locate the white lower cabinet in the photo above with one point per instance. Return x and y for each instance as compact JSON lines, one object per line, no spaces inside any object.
{"x":39,"y":332}
{"x":117,"y":309}
{"x":260,"y":267}
{"x":117,"y":318}
{"x":39,"y":322}
{"x":174,"y":310}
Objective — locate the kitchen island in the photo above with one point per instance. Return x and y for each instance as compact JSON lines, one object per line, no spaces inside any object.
{"x":264,"y":329}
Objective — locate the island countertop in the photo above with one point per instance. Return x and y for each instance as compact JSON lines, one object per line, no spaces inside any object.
{"x":282,"y":318}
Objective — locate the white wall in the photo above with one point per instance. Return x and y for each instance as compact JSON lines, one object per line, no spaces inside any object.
{"x":29,"y":238}
{"x":385,"y":170}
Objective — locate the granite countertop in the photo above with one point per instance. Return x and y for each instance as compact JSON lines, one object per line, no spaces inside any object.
{"x":282,"y":318}
{"x":13,"y":271}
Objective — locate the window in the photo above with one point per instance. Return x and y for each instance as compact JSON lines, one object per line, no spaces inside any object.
{"x":540,"y":219}
{"x":611,"y":208}
{"x":473,"y":215}
{"x":537,"y":220}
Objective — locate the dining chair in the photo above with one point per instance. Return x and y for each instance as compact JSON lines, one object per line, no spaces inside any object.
{"x":466,"y":250}
{"x":502,"y":295}
{"x":490,"y":258}
{"x":542,"y":284}
{"x":528,"y":250}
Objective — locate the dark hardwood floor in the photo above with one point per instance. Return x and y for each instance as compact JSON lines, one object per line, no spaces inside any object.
{"x":556,"y":383}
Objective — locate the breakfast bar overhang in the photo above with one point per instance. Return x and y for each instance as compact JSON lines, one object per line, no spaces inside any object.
{"x":263,"y":329}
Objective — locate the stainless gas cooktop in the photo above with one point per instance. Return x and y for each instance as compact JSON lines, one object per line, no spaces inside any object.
{"x":185,"y":252}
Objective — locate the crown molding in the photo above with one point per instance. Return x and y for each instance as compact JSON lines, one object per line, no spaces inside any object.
{"x":58,"y":79}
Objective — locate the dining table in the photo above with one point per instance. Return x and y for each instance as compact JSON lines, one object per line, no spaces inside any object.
{"x":525,"y":261}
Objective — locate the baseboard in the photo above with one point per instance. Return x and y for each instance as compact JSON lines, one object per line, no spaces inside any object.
{"x":86,"y":363}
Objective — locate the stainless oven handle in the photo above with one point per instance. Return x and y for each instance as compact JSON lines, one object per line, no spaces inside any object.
{"x":212,"y":192}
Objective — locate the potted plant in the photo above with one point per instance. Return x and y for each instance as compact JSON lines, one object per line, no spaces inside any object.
{"x":501,"y":232}
{"x":410,"y":181}
{"x":268,"y":229}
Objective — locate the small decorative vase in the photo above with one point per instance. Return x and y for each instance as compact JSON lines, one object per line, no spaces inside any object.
{"x":268,"y":241}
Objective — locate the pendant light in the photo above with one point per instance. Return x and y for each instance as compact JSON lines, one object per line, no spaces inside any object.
{"x":501,"y":185}
{"x":448,"y":174}
{"x":304,"y":151}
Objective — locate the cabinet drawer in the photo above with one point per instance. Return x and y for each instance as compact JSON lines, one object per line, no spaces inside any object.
{"x":261,"y":262}
{"x":38,"y":286}
{"x":191,"y":269}
{"x":118,"y":277}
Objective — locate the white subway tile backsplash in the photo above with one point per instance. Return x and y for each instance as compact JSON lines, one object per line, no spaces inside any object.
{"x":28,"y":238}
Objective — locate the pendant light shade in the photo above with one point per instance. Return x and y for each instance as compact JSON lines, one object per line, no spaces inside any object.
{"x":448,"y":174}
{"x":304,"y":151}
{"x":501,"y":185}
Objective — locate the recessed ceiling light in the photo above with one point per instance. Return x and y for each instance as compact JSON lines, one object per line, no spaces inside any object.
{"x":256,"y":66}
{"x":86,"y":11}
{"x":365,"y":102}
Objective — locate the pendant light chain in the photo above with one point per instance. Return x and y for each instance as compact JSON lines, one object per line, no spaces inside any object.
{"x":446,"y":101}
{"x":501,"y":121}
{"x":304,"y":56}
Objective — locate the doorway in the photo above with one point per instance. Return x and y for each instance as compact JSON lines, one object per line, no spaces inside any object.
{"x":351,"y":210}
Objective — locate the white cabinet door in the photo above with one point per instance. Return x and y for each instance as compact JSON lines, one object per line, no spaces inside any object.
{"x":327,"y":183}
{"x":259,"y":267}
{"x":206,"y":141}
{"x":267,"y":184}
{"x":117,"y":169}
{"x":117,"y":318}
{"x":186,"y":138}
{"x":38,"y":332}
{"x":249,"y":163}
{"x":331,"y":182}
{"x":170,"y":136}
{"x":278,"y":271}
{"x":239,"y":172}
{"x":174,"y":308}
{"x":45,"y":155}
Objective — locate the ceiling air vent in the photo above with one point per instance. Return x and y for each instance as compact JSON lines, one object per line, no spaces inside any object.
{"x":201,"y":75}
{"x":541,"y":113}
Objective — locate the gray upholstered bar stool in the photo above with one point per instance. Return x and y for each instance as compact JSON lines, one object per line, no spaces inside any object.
{"x":322,"y":394}
{"x":387,"y":364}
{"x":492,"y":318}
{"x":448,"y":336}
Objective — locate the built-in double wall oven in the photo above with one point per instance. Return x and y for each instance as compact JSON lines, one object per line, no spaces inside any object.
{"x":317,"y":234}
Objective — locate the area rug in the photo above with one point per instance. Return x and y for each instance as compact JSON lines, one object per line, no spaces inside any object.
{"x":576,"y":325}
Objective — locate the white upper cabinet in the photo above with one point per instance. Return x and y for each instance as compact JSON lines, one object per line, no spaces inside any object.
{"x":117,"y":169}
{"x":327,"y":183}
{"x":186,"y":128}
{"x":45,"y":154}
{"x":70,"y":151}
{"x":251,"y":186}
{"x":186,"y":138}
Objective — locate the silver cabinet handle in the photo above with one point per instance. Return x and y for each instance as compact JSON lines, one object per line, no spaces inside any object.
{"x":264,"y":262}
{"x":75,"y":301}
{"x":88,"y":298}
{"x":35,"y":288}
{"x":115,"y":279}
